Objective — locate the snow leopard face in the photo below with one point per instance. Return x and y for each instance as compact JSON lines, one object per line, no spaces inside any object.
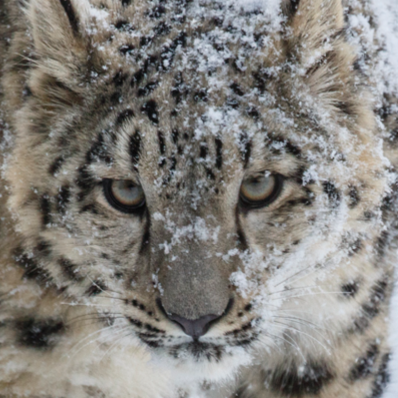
{"x":186,"y":169}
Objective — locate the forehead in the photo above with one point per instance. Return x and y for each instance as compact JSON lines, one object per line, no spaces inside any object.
{"x":194,"y":83}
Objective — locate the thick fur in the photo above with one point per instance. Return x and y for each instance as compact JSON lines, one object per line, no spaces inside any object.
{"x":188,"y":99}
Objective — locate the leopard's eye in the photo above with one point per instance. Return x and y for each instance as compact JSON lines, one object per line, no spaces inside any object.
{"x":260,"y":190}
{"x":124,"y":195}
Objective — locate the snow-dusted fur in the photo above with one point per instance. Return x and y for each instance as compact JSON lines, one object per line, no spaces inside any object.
{"x":187,"y":99}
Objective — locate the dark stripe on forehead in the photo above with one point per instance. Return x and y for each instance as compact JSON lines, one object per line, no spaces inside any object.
{"x":218,"y":153}
{"x":62,"y":199}
{"x":135,"y":148}
{"x":174,"y":136}
{"x":162,"y":143}
{"x":203,"y":150}
{"x":245,"y":148}
{"x":45,"y":209}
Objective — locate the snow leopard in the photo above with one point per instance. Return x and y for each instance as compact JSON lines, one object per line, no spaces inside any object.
{"x":198,"y":199}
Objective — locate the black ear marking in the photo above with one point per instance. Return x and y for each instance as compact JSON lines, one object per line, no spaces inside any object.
{"x":70,"y":12}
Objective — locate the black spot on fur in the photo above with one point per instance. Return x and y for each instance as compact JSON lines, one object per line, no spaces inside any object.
{"x":45,"y":209}
{"x":364,"y":366}
{"x":124,"y":26}
{"x":150,"y":109}
{"x":350,"y":289}
{"x":245,"y":148}
{"x":236,"y":89}
{"x":148,"y":89}
{"x":180,"y":89}
{"x":334,"y":195}
{"x":299,"y":383}
{"x":43,"y":249}
{"x":200,"y":95}
{"x":355,"y":247}
{"x":31,"y":267}
{"x":174,"y":135}
{"x":203,"y":151}
{"x":218,"y":153}
{"x":137,"y":77}
{"x":62,"y":199}
{"x":232,"y":102}
{"x":69,"y":269}
{"x":252,"y":112}
{"x":157,"y":11}
{"x":126,"y":3}
{"x":85,"y":181}
{"x":135,"y":147}
{"x":39,"y":334}
{"x":124,"y":116}
{"x":162,"y":29}
{"x":261,"y":79}
{"x":70,"y":12}
{"x":126,"y":49}
{"x":371,"y":308}
{"x":119,"y":79}
{"x":99,"y":151}
{"x":382,"y":378}
{"x":162,"y":143}
{"x":382,"y":243}
{"x":91,"y":208}
{"x":354,"y":197}
{"x":135,"y":322}
{"x":145,"y":40}
{"x":96,"y":288}
{"x":278,"y":144}
{"x":56,"y":165}
{"x":167,"y":54}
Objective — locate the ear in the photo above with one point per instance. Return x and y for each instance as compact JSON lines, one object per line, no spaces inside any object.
{"x":317,"y":43}
{"x":57,"y":28}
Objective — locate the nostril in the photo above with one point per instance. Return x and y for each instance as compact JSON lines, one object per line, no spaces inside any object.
{"x":195,"y":327}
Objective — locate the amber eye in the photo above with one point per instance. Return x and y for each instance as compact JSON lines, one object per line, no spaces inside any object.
{"x":124,"y":195}
{"x":260,"y":190}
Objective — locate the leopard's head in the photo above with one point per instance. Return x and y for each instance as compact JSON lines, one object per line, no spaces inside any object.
{"x":188,"y":168}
